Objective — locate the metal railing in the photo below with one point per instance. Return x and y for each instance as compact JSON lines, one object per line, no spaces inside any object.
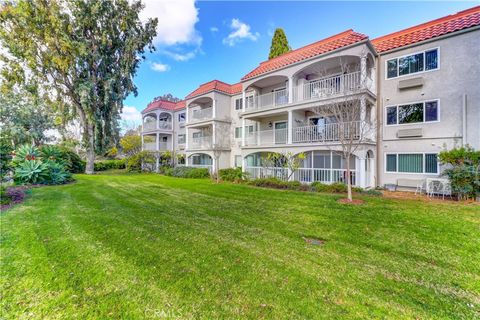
{"x":329,"y":87}
{"x":308,"y":175}
{"x":268,"y":100}
{"x":202,"y":114}
{"x":201,"y":142}
{"x":267,"y":137}
{"x":152,"y":146}
{"x":263,"y":172}
{"x":166,"y":125}
{"x":152,"y":125}
{"x":326,"y":133}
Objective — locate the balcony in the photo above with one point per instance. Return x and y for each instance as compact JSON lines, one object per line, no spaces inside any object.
{"x":204,"y":142}
{"x":152,"y":146}
{"x":202,"y":114}
{"x":315,"y":90}
{"x":327,"y":133}
{"x":152,"y":125}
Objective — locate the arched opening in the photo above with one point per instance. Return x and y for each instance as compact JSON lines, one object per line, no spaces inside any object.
{"x":266,"y":165}
{"x":326,"y":166}
{"x":268,"y":92}
{"x":149,"y":122}
{"x":201,"y":160}
{"x":165,"y":121}
{"x":200,"y":109}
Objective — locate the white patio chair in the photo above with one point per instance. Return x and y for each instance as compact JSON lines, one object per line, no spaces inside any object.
{"x":434,"y":188}
{"x":421,"y":187}
{"x":446,"y":190}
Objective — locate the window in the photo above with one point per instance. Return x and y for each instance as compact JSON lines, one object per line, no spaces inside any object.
{"x":238,"y":161}
{"x":411,"y":163}
{"x":238,"y":104}
{"x":238,"y":131}
{"x":181,"y":139}
{"x":418,"y":112}
{"x":197,"y":135}
{"x":181,"y":117}
{"x":418,"y":62}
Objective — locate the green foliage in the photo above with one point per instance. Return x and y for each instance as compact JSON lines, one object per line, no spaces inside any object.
{"x":464,"y":180}
{"x":131,"y":144}
{"x":279,"y":184}
{"x":56,"y":173}
{"x":83,"y":54}
{"x":5,"y":160}
{"x":166,"y":158}
{"x":279,"y":44}
{"x":72,"y":161}
{"x":189,"y":172}
{"x":143,"y":160}
{"x":102,"y":165}
{"x":460,"y":156}
{"x":232,"y":174}
{"x":25,"y":152}
{"x":4,"y":198}
{"x":372,"y":192}
{"x":51,"y":152}
{"x":112,"y":152}
{"x":31,"y":172}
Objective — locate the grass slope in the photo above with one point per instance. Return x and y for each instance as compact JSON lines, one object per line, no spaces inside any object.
{"x":148,"y":246}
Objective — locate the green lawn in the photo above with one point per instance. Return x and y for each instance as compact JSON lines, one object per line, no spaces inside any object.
{"x":148,"y":246}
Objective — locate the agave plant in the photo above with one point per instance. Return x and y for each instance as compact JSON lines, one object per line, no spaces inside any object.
{"x":50,"y":152}
{"x":31,"y":171}
{"x":26,"y":152}
{"x":57,"y":173}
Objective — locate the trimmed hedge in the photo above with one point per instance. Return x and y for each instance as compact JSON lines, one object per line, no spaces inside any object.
{"x":103,"y":165}
{"x":188,"y":172}
{"x":279,"y":184}
{"x":231,"y":174}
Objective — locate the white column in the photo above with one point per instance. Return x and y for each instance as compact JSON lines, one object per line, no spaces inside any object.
{"x":360,"y":168}
{"x":158,"y":142}
{"x":214,"y":109}
{"x":143,"y":147}
{"x":363,"y":70}
{"x":290,"y":89}
{"x":157,"y":121}
{"x":214,"y":136}
{"x":243,"y":130}
{"x":186,"y":138}
{"x":363,"y":114}
{"x":172,"y":136}
{"x":258,"y":134}
{"x":186,"y":114}
{"x":157,"y":163}
{"x":290,"y":127}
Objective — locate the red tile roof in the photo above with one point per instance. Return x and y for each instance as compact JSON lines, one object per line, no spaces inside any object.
{"x":455,"y":22}
{"x":216,"y":85}
{"x":165,"y":105}
{"x":317,"y":48}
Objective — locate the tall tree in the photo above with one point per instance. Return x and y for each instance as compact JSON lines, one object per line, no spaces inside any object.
{"x":167,"y":97}
{"x":279,"y":44}
{"x":81,"y":56}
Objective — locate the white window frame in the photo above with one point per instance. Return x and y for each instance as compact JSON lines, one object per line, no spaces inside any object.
{"x":184,"y":138}
{"x":184,"y":117}
{"x":410,"y":173}
{"x":412,"y":54}
{"x":385,"y":113}
{"x":241,"y":104}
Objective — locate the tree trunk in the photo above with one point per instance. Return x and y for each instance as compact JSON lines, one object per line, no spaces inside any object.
{"x":89,"y":168}
{"x":349,"y":181}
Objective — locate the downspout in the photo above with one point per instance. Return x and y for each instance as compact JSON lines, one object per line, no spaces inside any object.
{"x":464,"y":120}
{"x":379,"y":117}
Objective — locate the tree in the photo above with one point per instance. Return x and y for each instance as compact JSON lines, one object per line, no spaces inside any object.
{"x":24,"y":119}
{"x":279,"y":44}
{"x":131,"y":145}
{"x":79,"y":55}
{"x":285,"y":160}
{"x":167,"y":97}
{"x":347,"y":111}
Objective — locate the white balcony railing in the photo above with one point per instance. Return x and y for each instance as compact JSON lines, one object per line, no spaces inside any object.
{"x":304,"y":175}
{"x":268,"y":100}
{"x":267,"y":137}
{"x":308,"y":175}
{"x":204,"y":142}
{"x":329,"y":87}
{"x":326,"y":133}
{"x":202,"y":114}
{"x":152,"y":146}
{"x":162,"y":125}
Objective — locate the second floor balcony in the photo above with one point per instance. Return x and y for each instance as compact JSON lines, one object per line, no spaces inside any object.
{"x":157,"y":121}
{"x":201,"y":142}
{"x":202,"y":114}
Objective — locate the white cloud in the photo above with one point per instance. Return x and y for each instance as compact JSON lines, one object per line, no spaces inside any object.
{"x":160,"y":67}
{"x":214,"y":29}
{"x":181,"y":56}
{"x":176,"y":21}
{"x":240,"y":31}
{"x":131,"y":114}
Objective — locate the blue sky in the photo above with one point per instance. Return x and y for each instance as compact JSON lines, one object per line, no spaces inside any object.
{"x":200,"y":41}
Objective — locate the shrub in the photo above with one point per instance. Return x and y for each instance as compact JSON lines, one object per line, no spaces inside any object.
{"x":232,"y":174}
{"x":103,"y":165}
{"x":279,"y":184}
{"x":460,"y":156}
{"x":168,"y":171}
{"x":50,"y":152}
{"x":372,"y":192}
{"x":72,"y":161}
{"x":190,"y":172}
{"x":4,"y":197}
{"x":336,"y":187}
{"x":145,"y":159}
{"x":5,"y":161}
{"x":56,"y":173}
{"x":31,"y":172}
{"x":24,"y":153}
{"x":464,"y":180}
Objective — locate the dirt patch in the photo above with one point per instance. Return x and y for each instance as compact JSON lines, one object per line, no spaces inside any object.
{"x":16,"y":195}
{"x":313,"y":241}
{"x":355,"y":202}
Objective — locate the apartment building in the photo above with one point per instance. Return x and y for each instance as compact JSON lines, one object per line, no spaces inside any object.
{"x":417,"y":92}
